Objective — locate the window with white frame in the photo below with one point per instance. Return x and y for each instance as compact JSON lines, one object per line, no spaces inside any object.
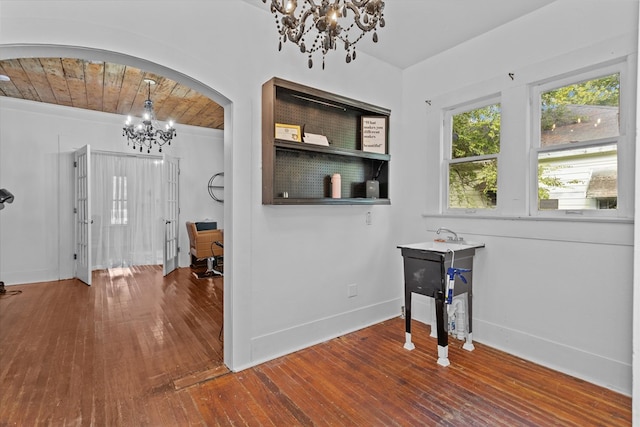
{"x":119,"y":212}
{"x":577,"y":134}
{"x":471,"y":157}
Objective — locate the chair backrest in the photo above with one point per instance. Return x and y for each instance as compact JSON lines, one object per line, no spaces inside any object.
{"x":191,"y":231}
{"x":206,"y":225}
{"x":202,"y":243}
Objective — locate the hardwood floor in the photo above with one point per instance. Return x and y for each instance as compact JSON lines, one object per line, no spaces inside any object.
{"x":105,"y":354}
{"x":137,"y":349}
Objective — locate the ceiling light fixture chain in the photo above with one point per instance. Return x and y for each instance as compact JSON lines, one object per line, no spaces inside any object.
{"x":148,"y":132}
{"x":328,"y":23}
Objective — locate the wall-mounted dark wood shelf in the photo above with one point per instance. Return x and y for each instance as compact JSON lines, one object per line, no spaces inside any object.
{"x":329,"y":201}
{"x":297,"y":173}
{"x":301,"y":146}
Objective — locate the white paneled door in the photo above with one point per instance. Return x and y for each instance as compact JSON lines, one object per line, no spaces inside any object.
{"x":82,"y":214}
{"x":170,"y":181}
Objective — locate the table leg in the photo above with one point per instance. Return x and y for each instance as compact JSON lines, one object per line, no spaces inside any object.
{"x":407,"y":320}
{"x":443,"y":337}
{"x":468,"y":344}
{"x":434,"y":327}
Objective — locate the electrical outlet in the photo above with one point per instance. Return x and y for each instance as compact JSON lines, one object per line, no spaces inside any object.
{"x":352,"y":290}
{"x":368,"y":220}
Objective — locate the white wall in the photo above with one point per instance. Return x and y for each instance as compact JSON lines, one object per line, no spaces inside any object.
{"x":287,"y":268}
{"x":636,"y":276}
{"x":37,"y":142}
{"x":285,"y":272}
{"x":557,"y":292}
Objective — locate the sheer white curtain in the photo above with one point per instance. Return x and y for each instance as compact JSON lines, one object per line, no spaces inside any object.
{"x":126,"y":203}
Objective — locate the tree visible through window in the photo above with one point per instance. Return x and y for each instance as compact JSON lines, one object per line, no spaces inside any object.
{"x":578,"y":159}
{"x":473,"y":167}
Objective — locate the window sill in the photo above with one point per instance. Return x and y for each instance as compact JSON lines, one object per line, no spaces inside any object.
{"x":596,"y":231}
{"x":498,"y":217}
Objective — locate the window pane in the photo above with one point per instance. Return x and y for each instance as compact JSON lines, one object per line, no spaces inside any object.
{"x":119,"y":201}
{"x":473,"y":184}
{"x":581,"y":112}
{"x":476,"y":132}
{"x":585,"y":178}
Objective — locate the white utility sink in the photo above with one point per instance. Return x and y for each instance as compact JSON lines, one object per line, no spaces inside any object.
{"x":443,"y":247}
{"x":425,"y":264}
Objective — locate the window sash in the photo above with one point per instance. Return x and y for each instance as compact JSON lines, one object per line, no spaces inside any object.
{"x":492,"y":158}
{"x":448,"y":160}
{"x":624,"y":197}
{"x":119,"y":212}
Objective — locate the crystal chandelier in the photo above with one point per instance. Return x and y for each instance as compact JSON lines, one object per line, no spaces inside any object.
{"x":148,"y":132}
{"x":321,"y":27}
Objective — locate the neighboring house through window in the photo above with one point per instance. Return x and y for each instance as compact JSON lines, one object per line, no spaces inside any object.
{"x":576,"y":139}
{"x":572,"y":149}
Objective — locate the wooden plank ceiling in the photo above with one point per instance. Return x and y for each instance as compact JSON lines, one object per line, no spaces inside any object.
{"x":106,"y":87}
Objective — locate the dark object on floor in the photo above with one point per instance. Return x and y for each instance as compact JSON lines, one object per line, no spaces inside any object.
{"x":5,"y":197}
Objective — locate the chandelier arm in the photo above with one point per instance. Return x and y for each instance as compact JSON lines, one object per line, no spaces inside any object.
{"x":302,"y":31}
{"x":300,"y":26}
{"x":358,"y":3}
{"x":165,"y":136}
{"x":278,"y":6}
{"x":356,"y":19}
{"x":282,"y":9}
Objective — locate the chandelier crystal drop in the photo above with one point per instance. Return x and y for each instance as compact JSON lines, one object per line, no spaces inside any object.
{"x":148,"y":132}
{"x":321,"y":25}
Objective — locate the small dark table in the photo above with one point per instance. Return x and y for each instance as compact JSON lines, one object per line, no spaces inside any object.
{"x":425,"y":269}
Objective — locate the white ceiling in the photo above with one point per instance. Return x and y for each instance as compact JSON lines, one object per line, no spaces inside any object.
{"x":419,"y":29}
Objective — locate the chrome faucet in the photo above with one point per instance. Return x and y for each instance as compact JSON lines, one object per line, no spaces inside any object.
{"x":455,"y":237}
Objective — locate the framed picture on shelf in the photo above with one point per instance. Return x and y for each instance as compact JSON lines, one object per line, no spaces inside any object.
{"x":374,"y":134}
{"x":288,"y":132}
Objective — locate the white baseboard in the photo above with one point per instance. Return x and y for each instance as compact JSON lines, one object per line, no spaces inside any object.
{"x":30,"y":276}
{"x":596,"y":369}
{"x":279,"y":343}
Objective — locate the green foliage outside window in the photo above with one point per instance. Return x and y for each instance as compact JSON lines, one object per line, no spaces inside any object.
{"x":604,"y":91}
{"x":474,"y":184}
{"x":476,"y":132}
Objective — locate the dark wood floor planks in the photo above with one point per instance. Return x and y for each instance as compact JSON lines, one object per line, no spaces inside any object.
{"x":106,"y":354}
{"x":137,"y":349}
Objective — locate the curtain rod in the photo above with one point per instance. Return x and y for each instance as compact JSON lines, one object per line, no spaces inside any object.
{"x":120,"y":154}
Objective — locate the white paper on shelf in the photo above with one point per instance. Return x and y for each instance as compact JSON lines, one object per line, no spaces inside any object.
{"x":312,"y":138}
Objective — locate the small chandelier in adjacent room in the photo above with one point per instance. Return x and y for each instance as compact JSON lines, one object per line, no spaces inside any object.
{"x":148,"y":132}
{"x":321,"y":27}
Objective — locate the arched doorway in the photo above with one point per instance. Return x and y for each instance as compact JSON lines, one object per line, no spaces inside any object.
{"x":20,"y":51}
